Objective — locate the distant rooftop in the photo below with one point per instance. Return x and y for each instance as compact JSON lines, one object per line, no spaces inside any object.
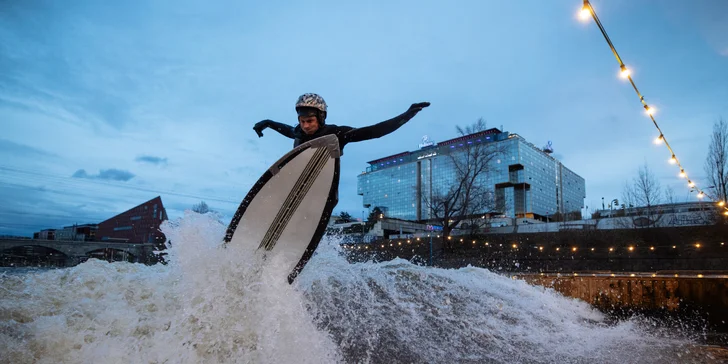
{"x":484,"y":133}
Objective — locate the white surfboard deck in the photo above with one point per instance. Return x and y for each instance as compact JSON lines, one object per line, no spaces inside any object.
{"x":285,"y":213}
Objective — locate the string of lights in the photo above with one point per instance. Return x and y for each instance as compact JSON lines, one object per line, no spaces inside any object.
{"x":479,"y":243}
{"x":587,"y":11}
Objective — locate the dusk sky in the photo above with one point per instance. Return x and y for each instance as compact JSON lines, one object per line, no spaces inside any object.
{"x":105,"y":105}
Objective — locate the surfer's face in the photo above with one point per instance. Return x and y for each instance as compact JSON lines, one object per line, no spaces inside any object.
{"x":309,"y":124}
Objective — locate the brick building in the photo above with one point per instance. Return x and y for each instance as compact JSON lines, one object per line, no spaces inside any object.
{"x":139,"y":224}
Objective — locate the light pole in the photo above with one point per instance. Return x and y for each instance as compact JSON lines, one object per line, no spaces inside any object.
{"x":613,"y":203}
{"x":714,"y":189}
{"x":430,"y":249}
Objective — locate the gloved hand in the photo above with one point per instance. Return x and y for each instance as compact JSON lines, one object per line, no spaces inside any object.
{"x":259,"y":126}
{"x":418,"y":106}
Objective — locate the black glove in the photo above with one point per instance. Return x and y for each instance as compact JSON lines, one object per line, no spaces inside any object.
{"x":259,"y":126}
{"x":418,"y":106}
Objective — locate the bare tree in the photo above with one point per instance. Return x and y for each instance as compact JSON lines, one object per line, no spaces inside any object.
{"x":481,"y":203}
{"x":670,"y":195}
{"x":643,"y":194}
{"x":467,"y":193}
{"x":201,"y":208}
{"x":716,"y":164}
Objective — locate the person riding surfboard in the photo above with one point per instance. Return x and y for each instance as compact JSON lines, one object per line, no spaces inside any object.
{"x":265,"y":219}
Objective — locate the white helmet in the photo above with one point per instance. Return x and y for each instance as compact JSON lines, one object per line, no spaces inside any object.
{"x":314,"y":101}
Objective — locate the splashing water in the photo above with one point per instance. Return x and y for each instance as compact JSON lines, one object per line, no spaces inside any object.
{"x":214,"y":304}
{"x":208,"y":305}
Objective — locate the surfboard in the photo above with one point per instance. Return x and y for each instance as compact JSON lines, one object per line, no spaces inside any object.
{"x":286,"y":212}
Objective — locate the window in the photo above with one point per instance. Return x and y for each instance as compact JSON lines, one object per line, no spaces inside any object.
{"x":122,"y":228}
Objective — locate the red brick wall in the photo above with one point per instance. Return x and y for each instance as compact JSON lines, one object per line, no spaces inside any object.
{"x":140,"y":224}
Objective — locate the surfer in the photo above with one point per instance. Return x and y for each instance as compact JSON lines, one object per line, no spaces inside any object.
{"x":269,"y":222}
{"x":311,"y":109}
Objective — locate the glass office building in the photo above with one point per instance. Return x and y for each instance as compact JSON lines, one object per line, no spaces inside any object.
{"x":525,"y":180}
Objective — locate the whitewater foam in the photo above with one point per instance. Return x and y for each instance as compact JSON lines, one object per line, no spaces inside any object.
{"x":212,"y":303}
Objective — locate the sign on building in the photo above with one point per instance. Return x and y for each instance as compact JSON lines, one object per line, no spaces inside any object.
{"x":426,"y":142}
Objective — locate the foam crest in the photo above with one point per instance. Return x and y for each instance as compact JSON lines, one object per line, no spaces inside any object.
{"x":216,"y":303}
{"x":400,"y":312}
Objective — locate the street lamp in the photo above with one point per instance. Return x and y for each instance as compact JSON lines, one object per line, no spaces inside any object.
{"x":612,"y":204}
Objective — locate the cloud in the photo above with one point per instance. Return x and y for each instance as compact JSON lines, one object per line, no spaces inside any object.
{"x":152,"y":160}
{"x":8,"y":147}
{"x":32,"y":208}
{"x":106,"y":174}
{"x":724,"y":52}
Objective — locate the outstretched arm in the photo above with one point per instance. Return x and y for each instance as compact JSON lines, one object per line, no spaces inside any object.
{"x":385,"y":127}
{"x":285,"y":130}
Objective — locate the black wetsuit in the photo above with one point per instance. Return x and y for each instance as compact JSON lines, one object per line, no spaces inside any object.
{"x":345,"y":134}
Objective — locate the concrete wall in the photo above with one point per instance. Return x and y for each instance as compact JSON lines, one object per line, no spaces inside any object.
{"x":635,"y":250}
{"x":419,"y":250}
{"x":706,"y":295}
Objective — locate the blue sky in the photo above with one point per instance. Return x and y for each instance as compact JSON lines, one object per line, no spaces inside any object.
{"x":105,"y":105}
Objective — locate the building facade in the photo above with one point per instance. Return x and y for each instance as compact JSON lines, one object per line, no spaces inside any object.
{"x":139,"y":224}
{"x":85,"y":232}
{"x":45,"y":234}
{"x":526,"y":181}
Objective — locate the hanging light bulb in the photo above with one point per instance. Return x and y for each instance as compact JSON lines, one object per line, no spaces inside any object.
{"x":649,"y":110}
{"x":700,"y":194}
{"x":659,"y":139}
{"x":673,"y":160}
{"x":721,"y":204}
{"x":691,"y":184}
{"x":682,"y":173}
{"x":625,"y":71}
{"x":585,"y":13}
